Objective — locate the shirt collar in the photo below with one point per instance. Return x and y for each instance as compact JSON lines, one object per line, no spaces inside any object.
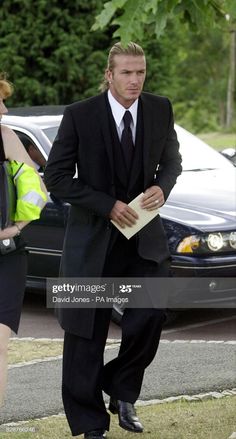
{"x":118,"y":110}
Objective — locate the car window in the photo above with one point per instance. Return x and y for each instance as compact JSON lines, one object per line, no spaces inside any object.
{"x":32,"y":150}
{"x":197,"y":155}
{"x":51,"y":132}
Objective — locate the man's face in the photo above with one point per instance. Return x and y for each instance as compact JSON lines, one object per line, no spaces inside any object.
{"x":127,"y":78}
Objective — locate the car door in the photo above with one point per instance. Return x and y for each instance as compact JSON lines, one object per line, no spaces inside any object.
{"x":44,"y":237}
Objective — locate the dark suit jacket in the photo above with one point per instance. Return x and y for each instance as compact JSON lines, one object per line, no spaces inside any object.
{"x":84,"y":141}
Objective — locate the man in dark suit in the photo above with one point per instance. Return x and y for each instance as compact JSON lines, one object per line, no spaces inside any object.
{"x":123,"y":143}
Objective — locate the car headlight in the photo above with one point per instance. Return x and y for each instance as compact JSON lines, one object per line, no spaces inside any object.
{"x":232,"y":240}
{"x":216,"y":242}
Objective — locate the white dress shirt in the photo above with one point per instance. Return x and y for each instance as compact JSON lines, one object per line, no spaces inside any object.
{"x":118,"y":112}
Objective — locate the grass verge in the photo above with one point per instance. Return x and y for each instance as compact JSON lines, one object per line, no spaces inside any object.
{"x":219,"y":141}
{"x":21,"y":351}
{"x":212,"y":419}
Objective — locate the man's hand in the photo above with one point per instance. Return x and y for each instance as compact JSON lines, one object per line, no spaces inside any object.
{"x":123,"y":215}
{"x":153,"y":198}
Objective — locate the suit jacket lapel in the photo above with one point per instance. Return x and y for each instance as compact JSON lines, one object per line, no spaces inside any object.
{"x":103,"y":118}
{"x":147,"y":134}
{"x":138,"y":152}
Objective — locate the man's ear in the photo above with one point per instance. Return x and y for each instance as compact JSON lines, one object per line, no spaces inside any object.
{"x":108,"y":75}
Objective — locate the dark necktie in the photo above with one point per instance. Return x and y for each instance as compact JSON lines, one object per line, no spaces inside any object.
{"x":127,"y":140}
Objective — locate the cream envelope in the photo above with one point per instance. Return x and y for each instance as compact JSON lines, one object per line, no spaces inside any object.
{"x":145,"y":217}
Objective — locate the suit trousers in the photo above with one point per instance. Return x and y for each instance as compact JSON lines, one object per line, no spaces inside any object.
{"x":84,"y":374}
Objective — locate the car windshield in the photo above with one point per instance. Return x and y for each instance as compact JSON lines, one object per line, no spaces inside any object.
{"x":197,"y":155}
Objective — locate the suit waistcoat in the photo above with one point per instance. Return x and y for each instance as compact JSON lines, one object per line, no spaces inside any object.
{"x":127,"y":185}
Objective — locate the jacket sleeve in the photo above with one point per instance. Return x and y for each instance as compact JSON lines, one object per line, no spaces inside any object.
{"x":170,"y":163}
{"x":60,"y":172}
{"x":30,"y":197}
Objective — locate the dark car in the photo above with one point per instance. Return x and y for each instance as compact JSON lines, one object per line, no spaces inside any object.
{"x":199,"y":216}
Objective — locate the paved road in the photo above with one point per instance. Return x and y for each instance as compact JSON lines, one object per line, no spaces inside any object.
{"x":179,"y":368}
{"x":212,"y":324}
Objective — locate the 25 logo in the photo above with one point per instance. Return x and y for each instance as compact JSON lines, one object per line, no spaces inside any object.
{"x":125,"y":289}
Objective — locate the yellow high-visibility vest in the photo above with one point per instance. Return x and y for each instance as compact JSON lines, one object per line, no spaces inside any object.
{"x":30,"y":198}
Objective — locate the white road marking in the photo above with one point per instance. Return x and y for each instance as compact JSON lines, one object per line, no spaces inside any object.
{"x":36,"y":361}
{"x":34,"y":339}
{"x":48,"y":359}
{"x":231,"y":342}
{"x":109,"y":340}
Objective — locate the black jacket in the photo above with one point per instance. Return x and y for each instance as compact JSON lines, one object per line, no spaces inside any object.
{"x":84,"y":143}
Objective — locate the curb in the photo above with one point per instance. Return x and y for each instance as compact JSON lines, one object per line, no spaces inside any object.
{"x":187,"y":398}
{"x":118,"y":340}
{"x":111,"y":344}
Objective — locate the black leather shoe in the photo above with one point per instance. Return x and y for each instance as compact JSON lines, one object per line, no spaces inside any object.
{"x":95,"y":434}
{"x":128,"y":418}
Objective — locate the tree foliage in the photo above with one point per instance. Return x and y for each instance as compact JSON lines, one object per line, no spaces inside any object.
{"x":201,"y":40}
{"x":48,"y":51}
{"x":191,"y":73}
{"x":52,"y":57}
{"x":134,"y":19}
